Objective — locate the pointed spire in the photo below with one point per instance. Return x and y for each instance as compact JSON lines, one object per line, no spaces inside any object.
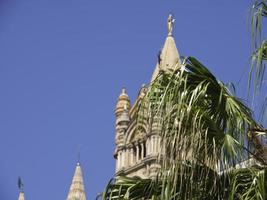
{"x":77,"y":191}
{"x":21,"y":196}
{"x":168,"y":57}
{"x":21,"y":189}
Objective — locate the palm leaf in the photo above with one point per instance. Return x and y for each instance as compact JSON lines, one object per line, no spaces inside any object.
{"x":203,"y":127}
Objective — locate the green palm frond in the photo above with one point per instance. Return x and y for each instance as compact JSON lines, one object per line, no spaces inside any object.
{"x":132,"y":188}
{"x":200,"y":122}
{"x":248,"y":183}
{"x":258,"y":11}
{"x":193,"y":100}
{"x":235,"y":184}
{"x":259,"y":57}
{"x":204,"y":129}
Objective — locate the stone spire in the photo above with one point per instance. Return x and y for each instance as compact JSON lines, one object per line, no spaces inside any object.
{"x":21,"y":189}
{"x":21,"y":195}
{"x":77,"y":191}
{"x":168,"y":57}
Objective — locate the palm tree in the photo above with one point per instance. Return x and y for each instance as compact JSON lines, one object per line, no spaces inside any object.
{"x":259,"y":57}
{"x":204,"y":128}
{"x":206,"y":131}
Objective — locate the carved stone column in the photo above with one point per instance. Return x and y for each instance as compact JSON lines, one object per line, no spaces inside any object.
{"x":147,"y":147}
{"x":123,"y":158}
{"x":156,"y":144}
{"x":132,"y":156}
{"x":159,"y":145}
{"x":119,"y":160}
{"x":137,"y":153}
{"x":152,"y":144}
{"x":127,"y":157}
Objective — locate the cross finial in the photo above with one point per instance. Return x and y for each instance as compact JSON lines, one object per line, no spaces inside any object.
{"x":20,"y":184}
{"x":79,"y":155}
{"x":123,"y":91}
{"x":170,"y":24}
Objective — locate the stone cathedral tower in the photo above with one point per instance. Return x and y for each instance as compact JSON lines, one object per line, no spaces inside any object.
{"x":137,"y":151}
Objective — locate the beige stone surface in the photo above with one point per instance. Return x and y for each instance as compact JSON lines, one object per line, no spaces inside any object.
{"x":169,"y":57}
{"x":77,"y":191}
{"x":21,"y":196}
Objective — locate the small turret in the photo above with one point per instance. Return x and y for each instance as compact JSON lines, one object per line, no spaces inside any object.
{"x":122,"y":117}
{"x":122,"y":101}
{"x":122,"y":122}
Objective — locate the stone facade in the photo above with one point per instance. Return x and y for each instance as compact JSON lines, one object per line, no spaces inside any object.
{"x":137,"y":151}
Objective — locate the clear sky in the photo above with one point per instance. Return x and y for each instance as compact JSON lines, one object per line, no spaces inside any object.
{"x":63,"y":64}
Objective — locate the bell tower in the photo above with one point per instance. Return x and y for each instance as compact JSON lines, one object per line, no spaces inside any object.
{"x":138,"y":148}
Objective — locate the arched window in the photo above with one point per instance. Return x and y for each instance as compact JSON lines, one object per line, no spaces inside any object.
{"x":144,"y":145}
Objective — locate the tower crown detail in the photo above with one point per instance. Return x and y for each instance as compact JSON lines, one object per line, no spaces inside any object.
{"x":123,"y":103}
{"x":170,"y":24}
{"x":168,"y":57}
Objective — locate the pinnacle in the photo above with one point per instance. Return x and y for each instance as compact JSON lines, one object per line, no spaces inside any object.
{"x":168,"y":57}
{"x":21,"y":196}
{"x":77,"y":191}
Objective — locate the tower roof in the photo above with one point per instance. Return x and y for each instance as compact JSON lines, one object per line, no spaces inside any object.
{"x":77,"y":191}
{"x":168,"y":57}
{"x":122,"y":102}
{"x":21,"y":196}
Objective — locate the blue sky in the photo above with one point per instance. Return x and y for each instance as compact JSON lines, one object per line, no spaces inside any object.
{"x":63,"y":64}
